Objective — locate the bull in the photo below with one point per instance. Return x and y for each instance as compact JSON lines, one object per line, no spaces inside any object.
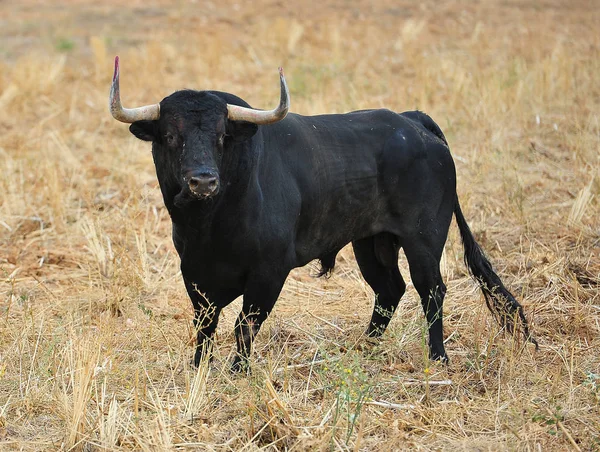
{"x":253,"y":194}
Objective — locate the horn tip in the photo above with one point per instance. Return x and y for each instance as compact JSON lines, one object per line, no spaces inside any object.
{"x":116,"y":73}
{"x":280,"y":71}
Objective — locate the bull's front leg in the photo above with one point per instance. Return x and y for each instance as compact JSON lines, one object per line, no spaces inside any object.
{"x":207,"y":307}
{"x":260,"y":296}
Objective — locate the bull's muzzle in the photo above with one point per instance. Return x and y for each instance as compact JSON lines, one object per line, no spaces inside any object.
{"x":203,"y":184}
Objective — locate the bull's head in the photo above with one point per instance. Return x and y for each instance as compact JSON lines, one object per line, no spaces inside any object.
{"x":190,"y":132}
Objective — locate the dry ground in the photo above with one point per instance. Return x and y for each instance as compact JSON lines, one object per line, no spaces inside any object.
{"x":95,"y":325}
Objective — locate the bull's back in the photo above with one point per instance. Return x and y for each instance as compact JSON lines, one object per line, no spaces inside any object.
{"x":343,"y":173}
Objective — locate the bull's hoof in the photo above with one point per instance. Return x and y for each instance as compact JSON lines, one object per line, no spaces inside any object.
{"x":195,"y":363}
{"x":200,"y":357}
{"x":367,"y":343}
{"x":375,"y":332}
{"x":532,"y":339}
{"x":441,"y":357}
{"x":240,"y":365}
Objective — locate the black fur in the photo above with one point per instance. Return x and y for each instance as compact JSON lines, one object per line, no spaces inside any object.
{"x":301,"y":189}
{"x":327,"y":264}
{"x":502,"y":304}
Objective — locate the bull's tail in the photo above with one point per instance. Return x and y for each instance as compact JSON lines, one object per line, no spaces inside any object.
{"x":503,"y":305}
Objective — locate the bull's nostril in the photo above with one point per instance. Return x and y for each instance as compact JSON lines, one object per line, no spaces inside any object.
{"x":203,"y":184}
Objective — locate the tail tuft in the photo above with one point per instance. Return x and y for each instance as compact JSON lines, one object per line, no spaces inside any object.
{"x":502,"y":304}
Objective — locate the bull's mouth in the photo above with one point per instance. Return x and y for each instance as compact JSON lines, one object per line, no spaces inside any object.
{"x":188,"y":195}
{"x":205,"y":195}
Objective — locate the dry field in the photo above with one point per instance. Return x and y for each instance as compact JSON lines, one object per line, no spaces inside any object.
{"x":96,"y":327}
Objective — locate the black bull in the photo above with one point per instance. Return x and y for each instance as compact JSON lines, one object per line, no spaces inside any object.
{"x":251,"y":202}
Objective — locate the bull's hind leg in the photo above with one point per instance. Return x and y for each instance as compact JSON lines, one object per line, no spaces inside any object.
{"x":424,"y":262}
{"x":377,"y":258}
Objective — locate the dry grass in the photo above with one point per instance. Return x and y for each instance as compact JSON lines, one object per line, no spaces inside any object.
{"x":94,"y":320}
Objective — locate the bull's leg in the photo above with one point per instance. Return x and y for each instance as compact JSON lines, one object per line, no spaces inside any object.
{"x":377,"y":259}
{"x":424,"y":262}
{"x":260,"y":296}
{"x":207,"y":308}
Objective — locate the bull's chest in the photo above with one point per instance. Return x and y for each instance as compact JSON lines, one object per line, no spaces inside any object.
{"x":213,"y":262}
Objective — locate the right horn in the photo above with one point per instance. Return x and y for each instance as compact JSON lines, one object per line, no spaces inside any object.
{"x":260,"y":117}
{"x":128,"y":115}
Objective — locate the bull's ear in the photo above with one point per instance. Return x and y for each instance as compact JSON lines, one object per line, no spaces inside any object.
{"x":241,"y":130}
{"x":144,"y":130}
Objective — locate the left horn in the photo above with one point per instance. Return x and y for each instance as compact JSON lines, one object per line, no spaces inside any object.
{"x":128,"y":115}
{"x":260,"y":117}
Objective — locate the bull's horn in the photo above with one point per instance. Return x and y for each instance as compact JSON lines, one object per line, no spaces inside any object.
{"x":128,"y":115}
{"x":237,"y":113}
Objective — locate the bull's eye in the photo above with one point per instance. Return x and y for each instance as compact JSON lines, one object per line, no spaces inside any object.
{"x":221,"y":140}
{"x":170,"y":139}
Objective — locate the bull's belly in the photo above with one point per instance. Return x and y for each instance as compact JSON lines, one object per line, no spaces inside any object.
{"x":318,"y":242}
